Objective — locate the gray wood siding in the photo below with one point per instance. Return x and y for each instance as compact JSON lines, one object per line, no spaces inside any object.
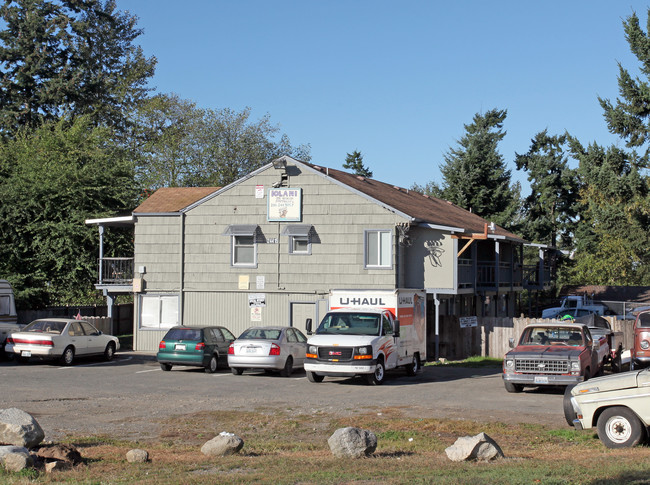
{"x":339,"y":218}
{"x":157,"y":248}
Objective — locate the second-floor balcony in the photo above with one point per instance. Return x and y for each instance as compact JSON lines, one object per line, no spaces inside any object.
{"x":116,"y":271}
{"x":483,"y":275}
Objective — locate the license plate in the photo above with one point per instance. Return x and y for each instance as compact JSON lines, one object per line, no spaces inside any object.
{"x":251,"y":350}
{"x":541,"y":380}
{"x":179,"y":347}
{"x":25,"y":353}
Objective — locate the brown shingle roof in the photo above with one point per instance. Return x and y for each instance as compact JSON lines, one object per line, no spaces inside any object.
{"x":423,"y":208}
{"x":173,"y":199}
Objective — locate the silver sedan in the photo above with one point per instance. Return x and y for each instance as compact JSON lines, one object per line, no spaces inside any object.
{"x":269,"y":348}
{"x":60,"y":338}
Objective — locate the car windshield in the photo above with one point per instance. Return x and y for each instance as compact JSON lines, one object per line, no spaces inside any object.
{"x":644,"y":320}
{"x":350,"y":324}
{"x":183,"y":334}
{"x":45,"y":326}
{"x":261,"y":334}
{"x":552,"y":336}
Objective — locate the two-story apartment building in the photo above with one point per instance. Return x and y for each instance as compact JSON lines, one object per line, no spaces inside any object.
{"x":268,"y":248}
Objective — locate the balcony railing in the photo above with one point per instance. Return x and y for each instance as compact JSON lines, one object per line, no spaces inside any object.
{"x":116,"y":271}
{"x":486,"y":274}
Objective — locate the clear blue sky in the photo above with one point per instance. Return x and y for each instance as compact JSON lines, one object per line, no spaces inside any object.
{"x":395,"y":80}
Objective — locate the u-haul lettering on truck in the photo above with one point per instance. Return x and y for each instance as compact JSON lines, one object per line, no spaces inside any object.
{"x":366,"y":301}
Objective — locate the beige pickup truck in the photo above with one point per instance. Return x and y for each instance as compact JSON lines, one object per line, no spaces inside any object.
{"x":617,"y":405}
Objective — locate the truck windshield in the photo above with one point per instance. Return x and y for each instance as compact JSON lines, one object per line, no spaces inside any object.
{"x":552,"y":336}
{"x":350,"y":324}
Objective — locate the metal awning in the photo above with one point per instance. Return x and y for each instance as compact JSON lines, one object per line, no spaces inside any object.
{"x":296,"y":230}
{"x":240,"y":230}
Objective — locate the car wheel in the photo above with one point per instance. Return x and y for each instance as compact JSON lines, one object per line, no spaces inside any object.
{"x":510,"y":387}
{"x":288,"y":367}
{"x":313,"y":377}
{"x":166,"y":367}
{"x":377,"y":377}
{"x":213,"y":365}
{"x":619,"y":427}
{"x":413,"y":368}
{"x":68,"y":356}
{"x":109,"y":352}
{"x":237,"y":371}
{"x":569,"y":413}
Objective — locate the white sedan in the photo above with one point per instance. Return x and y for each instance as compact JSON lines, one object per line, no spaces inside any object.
{"x":60,"y":338}
{"x":268,"y":348}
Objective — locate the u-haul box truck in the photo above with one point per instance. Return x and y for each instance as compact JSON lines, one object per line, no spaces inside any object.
{"x":366,"y":332}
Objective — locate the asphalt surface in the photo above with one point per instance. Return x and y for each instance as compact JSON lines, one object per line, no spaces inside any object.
{"x":131,"y":395}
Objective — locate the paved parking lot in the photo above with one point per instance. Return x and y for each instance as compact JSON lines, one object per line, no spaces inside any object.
{"x":130,"y":395}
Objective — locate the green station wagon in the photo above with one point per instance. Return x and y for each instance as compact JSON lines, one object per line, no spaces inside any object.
{"x":205,"y":347}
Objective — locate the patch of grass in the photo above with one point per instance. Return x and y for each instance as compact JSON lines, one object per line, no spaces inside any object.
{"x":475,"y":361}
{"x":283,"y":447}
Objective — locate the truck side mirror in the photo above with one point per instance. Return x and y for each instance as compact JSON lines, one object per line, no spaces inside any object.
{"x":396,"y":328}
{"x":511,"y":342}
{"x":308,"y":326}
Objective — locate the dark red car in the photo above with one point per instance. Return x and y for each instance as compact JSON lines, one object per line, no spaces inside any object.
{"x":640,"y":352}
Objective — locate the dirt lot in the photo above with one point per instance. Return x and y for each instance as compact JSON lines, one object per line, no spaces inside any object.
{"x":130,"y":397}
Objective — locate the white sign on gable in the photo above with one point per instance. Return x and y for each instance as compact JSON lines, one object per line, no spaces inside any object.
{"x":284,"y":204}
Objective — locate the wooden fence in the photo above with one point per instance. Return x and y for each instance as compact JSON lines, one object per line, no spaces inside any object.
{"x":490,"y":338}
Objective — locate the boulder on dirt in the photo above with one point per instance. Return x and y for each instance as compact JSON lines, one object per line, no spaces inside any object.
{"x":15,"y":462}
{"x":19,"y":428}
{"x":222,"y":445}
{"x":470,"y":448}
{"x":59,"y":452}
{"x":352,"y":442}
{"x":137,"y":456}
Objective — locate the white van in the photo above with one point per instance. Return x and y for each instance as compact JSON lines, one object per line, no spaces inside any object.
{"x":366,"y":332}
{"x":8,"y":316}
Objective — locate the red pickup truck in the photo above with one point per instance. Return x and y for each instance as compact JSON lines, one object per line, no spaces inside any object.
{"x":553,"y":354}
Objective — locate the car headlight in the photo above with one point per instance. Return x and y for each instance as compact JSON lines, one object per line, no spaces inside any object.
{"x":312,"y":349}
{"x":645,"y":345}
{"x":363,"y":351}
{"x":575,"y":365}
{"x":509,"y":363}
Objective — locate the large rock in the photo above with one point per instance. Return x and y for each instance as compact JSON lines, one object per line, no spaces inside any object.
{"x":222,"y":445}
{"x":5,"y":450}
{"x":469,"y":448}
{"x":19,"y":428}
{"x":15,"y":462}
{"x":352,"y":442}
{"x":137,"y":456}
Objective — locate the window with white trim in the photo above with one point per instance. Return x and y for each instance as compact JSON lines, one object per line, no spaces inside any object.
{"x":299,"y":245}
{"x":158,"y":312}
{"x":378,"y":249}
{"x":244,"y":251}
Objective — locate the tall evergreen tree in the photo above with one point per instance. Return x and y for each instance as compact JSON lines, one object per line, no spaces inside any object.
{"x":550,"y":209}
{"x":69,"y":56}
{"x":474,"y":174}
{"x":354,"y":162}
{"x":611,"y":237}
{"x":630,"y":116}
